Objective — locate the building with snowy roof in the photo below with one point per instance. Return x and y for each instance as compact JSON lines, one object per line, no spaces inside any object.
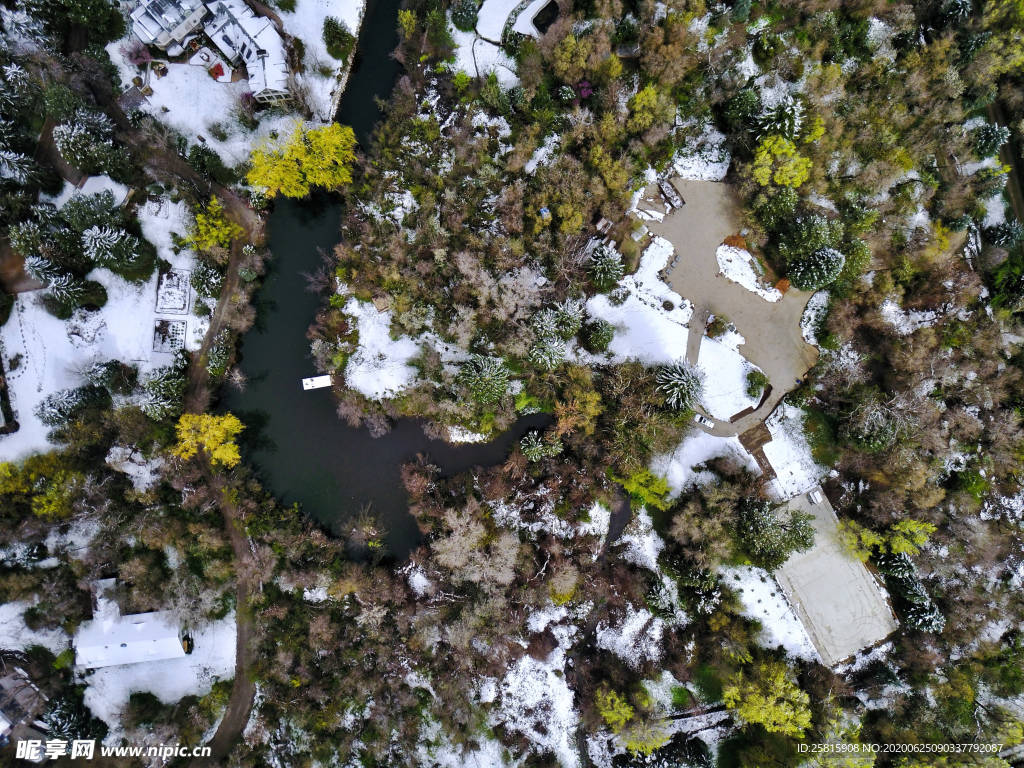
{"x":111,"y":639}
{"x":20,"y":702}
{"x":245,"y":38}
{"x":166,"y":23}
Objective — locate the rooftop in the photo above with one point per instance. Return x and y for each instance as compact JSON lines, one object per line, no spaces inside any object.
{"x":111,"y":639}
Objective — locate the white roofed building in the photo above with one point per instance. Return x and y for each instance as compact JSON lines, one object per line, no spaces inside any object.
{"x":166,"y":23}
{"x":245,"y":38}
{"x":111,"y":639}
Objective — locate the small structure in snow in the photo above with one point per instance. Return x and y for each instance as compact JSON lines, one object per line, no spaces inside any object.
{"x":671,"y":195}
{"x":316,"y":382}
{"x":111,"y":639}
{"x":20,"y":702}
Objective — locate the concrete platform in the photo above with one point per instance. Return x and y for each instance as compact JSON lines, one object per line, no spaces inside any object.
{"x":832,"y":591}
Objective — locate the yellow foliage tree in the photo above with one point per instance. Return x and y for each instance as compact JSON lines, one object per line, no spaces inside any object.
{"x":613,"y":708}
{"x":213,"y":434}
{"x":314,"y":157}
{"x":570,"y":58}
{"x":212,"y":228}
{"x":776,"y":160}
{"x":906,"y":538}
{"x":643,"y":110}
{"x":407,"y":24}
{"x":58,"y":495}
{"x":770,"y":698}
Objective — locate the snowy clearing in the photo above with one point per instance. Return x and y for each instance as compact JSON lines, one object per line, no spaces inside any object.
{"x":904,"y":322}
{"x":790,"y":454}
{"x":764,"y":600}
{"x":54,"y":351}
{"x":696,"y":449}
{"x":380,"y":367}
{"x":492,"y":17}
{"x":15,"y":635}
{"x":635,"y":639}
{"x":725,"y":386}
{"x":737,"y":265}
{"x":170,"y":679}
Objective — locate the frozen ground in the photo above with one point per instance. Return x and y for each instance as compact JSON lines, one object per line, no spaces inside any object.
{"x":725,"y":383}
{"x":478,"y":58}
{"x":169,"y":679}
{"x":15,"y":635}
{"x":492,"y":17}
{"x":52,"y":351}
{"x":698,"y":448}
{"x":705,"y":158}
{"x":764,"y":600}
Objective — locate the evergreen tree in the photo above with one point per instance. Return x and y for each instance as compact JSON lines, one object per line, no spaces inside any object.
{"x":784,"y":119}
{"x":818,"y":270}
{"x":926,"y":617}
{"x":545,"y":324}
{"x":464,"y":15}
{"x":606,"y":268}
{"x":15,"y":166}
{"x":487,"y":378}
{"x":534,"y":448}
{"x":106,"y":247}
{"x":1005,"y":235}
{"x":770,"y":539}
{"x":682,"y":383}
{"x":162,"y":390}
{"x":338,"y":38}
{"x":547,"y":354}
{"x":568,"y":318}
{"x":989,"y":138}
{"x":42,"y":269}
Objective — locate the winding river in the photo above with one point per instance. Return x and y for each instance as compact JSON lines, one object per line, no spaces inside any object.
{"x":301,"y":450}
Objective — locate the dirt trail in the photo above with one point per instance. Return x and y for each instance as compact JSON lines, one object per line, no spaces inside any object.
{"x":163,"y":162}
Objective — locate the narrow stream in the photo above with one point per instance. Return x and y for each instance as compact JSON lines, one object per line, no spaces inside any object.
{"x":303,"y":452}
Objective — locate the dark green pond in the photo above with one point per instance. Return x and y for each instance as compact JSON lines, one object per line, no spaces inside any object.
{"x":302,"y":451}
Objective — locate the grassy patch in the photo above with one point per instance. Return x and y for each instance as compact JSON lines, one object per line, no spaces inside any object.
{"x":823,"y":435}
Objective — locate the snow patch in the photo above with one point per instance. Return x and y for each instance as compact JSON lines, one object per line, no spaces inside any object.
{"x":696,"y":449}
{"x":705,"y":159}
{"x":15,"y":634}
{"x":143,"y":472}
{"x":812,"y":316}
{"x":635,"y":639}
{"x":789,"y":453}
{"x":737,"y":264}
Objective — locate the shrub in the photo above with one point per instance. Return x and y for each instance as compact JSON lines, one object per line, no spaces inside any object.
{"x":338,"y":38}
{"x":546,"y":354}
{"x":568,"y":318}
{"x":1006,"y":235}
{"x":597,"y":336}
{"x":756,"y":382}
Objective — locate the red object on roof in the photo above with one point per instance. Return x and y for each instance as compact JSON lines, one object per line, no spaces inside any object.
{"x":217,"y":71}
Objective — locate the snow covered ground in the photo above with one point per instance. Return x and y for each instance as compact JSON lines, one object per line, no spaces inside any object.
{"x":492,"y":17}
{"x":213,"y":659}
{"x":706,"y":158}
{"x":764,"y":600}
{"x":478,"y":58}
{"x":646,"y":329}
{"x":737,"y":265}
{"x":380,"y":367}
{"x":306,"y":22}
{"x":696,"y":449}
{"x":15,"y":635}
{"x":790,"y":454}
{"x":53,"y":351}
{"x":535,"y":697}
